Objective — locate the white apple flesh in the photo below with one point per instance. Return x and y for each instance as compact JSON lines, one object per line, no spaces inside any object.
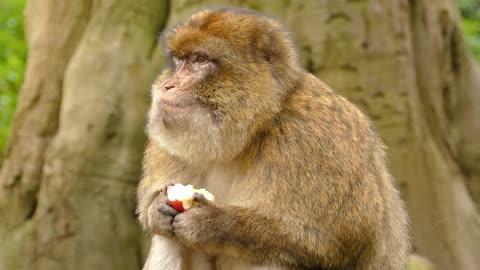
{"x":181,"y":197}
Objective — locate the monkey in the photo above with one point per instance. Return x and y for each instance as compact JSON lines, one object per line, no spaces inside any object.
{"x":299,"y":173}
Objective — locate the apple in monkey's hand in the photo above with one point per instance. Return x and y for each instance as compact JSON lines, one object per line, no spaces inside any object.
{"x":181,"y":197}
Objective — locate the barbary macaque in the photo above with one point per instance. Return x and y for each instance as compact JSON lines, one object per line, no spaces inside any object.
{"x":298,"y":172}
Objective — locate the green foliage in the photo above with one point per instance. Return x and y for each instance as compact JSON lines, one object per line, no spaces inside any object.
{"x":471,"y":24}
{"x":12,"y":61}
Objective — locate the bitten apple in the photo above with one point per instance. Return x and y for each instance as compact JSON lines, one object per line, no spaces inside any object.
{"x":181,"y":197}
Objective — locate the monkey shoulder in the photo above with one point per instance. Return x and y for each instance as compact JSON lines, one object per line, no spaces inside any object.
{"x":314,"y":113}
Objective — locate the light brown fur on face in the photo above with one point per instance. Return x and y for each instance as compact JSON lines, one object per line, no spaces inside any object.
{"x":298,"y":172}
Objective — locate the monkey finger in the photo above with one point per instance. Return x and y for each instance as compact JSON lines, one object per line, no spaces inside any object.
{"x":201,"y":200}
{"x":169,"y":184}
{"x":167,"y":210}
{"x":165,"y":188}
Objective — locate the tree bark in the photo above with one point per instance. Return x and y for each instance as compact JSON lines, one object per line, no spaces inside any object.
{"x":73,"y":160}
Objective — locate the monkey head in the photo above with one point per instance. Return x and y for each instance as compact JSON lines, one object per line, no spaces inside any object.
{"x":226,"y":76}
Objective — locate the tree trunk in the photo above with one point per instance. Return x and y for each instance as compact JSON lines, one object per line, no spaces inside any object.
{"x":73,"y":160}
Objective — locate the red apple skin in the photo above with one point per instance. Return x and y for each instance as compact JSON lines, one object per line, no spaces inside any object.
{"x":178,"y":205}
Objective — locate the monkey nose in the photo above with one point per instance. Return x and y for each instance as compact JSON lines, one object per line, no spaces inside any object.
{"x":169,"y":86}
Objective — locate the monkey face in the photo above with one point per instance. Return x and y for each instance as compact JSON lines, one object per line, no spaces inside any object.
{"x":182,"y":119}
{"x":191,"y":114}
{"x":226,"y":76}
{"x":175,"y":102}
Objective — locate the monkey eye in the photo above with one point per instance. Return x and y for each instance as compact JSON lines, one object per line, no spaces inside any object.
{"x":195,"y":58}
{"x":201,"y":59}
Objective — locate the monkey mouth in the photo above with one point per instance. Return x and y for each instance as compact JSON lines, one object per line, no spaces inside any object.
{"x":171,"y":113}
{"x":177,"y":112}
{"x":167,"y":106}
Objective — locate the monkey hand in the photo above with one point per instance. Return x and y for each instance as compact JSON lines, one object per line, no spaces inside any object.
{"x":195,"y":227}
{"x":182,"y":197}
{"x":160,"y":213}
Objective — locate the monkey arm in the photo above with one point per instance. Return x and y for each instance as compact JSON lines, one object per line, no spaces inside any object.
{"x":251,"y":235}
{"x":159,"y":168}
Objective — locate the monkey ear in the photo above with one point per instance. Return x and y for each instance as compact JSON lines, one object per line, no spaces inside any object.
{"x":275,"y":47}
{"x":270,"y":48}
{"x":279,"y":52}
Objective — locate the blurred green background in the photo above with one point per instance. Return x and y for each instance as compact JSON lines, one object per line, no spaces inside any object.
{"x":471,"y":24}
{"x":13,"y":52}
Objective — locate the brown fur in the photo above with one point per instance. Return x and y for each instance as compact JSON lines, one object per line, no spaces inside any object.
{"x":298,"y":172}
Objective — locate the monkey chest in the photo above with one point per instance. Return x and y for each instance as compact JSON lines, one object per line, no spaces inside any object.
{"x":227,"y":185}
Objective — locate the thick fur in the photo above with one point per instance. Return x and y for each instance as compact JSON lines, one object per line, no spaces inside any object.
{"x":298,"y":172}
